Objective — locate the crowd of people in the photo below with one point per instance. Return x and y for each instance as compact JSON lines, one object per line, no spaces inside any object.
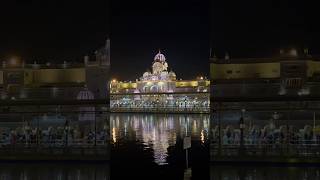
{"x":268,"y":134}
{"x":53,"y":136}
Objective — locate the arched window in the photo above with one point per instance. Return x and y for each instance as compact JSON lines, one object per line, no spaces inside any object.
{"x":154,"y":88}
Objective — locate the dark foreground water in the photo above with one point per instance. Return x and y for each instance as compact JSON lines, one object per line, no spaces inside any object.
{"x":150,"y":146}
{"x":54,"y":171}
{"x":246,"y":172}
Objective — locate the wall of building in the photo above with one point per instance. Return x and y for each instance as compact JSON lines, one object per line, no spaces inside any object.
{"x":97,"y":81}
{"x":1,"y":78}
{"x":258,"y":70}
{"x":54,"y":76}
{"x":175,"y":86}
{"x":244,"y":71}
{"x":313,"y":68}
{"x":55,"y":83}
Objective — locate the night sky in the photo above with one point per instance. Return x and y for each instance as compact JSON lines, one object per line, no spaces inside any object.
{"x":179,"y":28}
{"x":52,"y":31}
{"x":251,"y":28}
{"x":55,"y":31}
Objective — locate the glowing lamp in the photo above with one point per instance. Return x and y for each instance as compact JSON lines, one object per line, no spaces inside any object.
{"x":13,"y":61}
{"x":293,"y":52}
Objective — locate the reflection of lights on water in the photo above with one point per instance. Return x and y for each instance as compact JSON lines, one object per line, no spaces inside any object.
{"x":157,"y":133}
{"x":125,"y":127}
{"x":194,"y":127}
{"x":202,"y":136}
{"x":154,"y":135}
{"x":114,"y":138}
{"x":206,"y":124}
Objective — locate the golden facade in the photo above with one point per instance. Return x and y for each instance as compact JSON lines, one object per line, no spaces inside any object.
{"x":55,"y":76}
{"x":118,"y":86}
{"x":287,"y":75}
{"x":245,"y":71}
{"x":263,"y":70}
{"x":1,"y":78}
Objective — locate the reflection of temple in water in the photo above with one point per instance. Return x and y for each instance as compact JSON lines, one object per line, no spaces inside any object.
{"x":158,"y":132}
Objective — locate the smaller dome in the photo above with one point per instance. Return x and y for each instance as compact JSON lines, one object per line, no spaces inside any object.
{"x":164,"y":73}
{"x":160,"y":57}
{"x":172,"y":74}
{"x":146,"y":74}
{"x":154,"y":78}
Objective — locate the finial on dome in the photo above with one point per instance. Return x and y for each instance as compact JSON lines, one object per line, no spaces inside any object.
{"x":159,"y":51}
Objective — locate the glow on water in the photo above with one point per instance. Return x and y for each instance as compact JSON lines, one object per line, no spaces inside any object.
{"x":158,"y":132}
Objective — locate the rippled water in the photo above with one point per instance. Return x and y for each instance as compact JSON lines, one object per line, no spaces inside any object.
{"x":154,"y":142}
{"x":54,"y":171}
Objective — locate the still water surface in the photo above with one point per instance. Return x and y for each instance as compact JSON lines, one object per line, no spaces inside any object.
{"x":246,"y":172}
{"x":151,"y":145}
{"x":54,"y":171}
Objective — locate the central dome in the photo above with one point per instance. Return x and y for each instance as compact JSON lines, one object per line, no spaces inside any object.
{"x":160,"y":57}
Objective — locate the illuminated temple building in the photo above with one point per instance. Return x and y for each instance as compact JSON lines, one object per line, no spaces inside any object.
{"x":160,"y":90}
{"x":19,"y":80}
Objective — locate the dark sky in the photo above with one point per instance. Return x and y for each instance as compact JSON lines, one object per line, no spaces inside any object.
{"x":251,"y":28}
{"x":183,"y":29}
{"x":52,"y":30}
{"x":179,"y":28}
